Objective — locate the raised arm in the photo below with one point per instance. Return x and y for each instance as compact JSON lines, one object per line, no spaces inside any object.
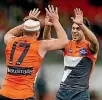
{"x":47,"y":28}
{"x":53,"y":14}
{"x":16,"y":31}
{"x":48,"y":25}
{"x":93,"y":42}
{"x":62,"y":40}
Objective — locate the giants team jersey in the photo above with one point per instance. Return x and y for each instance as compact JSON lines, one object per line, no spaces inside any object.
{"x":79,"y":63}
{"x":23,"y":62}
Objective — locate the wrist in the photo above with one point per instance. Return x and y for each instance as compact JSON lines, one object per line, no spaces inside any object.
{"x":21,"y":27}
{"x":55,"y":21}
{"x":81,"y":24}
{"x":48,"y":26}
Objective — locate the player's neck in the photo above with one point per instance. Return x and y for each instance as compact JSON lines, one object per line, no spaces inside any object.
{"x":80,"y":41}
{"x":30,"y":37}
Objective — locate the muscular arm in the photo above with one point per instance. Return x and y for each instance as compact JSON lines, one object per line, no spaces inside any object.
{"x":47,"y":32}
{"x":61,"y":41}
{"x":55,"y":44}
{"x":94,"y":45}
{"x":16,"y":31}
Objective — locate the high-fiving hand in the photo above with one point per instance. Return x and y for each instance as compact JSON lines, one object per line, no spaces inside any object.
{"x":52,"y":13}
{"x":78,"y":16}
{"x":48,"y":20}
{"x":33,"y":14}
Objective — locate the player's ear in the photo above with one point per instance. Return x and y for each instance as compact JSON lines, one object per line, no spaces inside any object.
{"x":36,"y":33}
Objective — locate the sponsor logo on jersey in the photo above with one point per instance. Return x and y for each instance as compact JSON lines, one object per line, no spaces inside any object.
{"x":69,"y":50}
{"x":19,"y":70}
{"x":83,"y":51}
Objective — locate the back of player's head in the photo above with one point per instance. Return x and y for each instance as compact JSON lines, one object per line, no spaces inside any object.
{"x":31,"y":25}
